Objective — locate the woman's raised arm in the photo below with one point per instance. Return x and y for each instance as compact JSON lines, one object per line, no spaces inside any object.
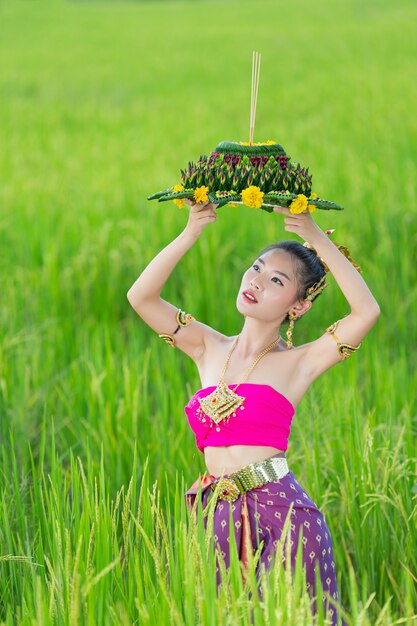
{"x":145,"y":293}
{"x":364,"y":309}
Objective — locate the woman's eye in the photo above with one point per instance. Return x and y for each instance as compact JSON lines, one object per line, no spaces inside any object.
{"x":255,"y":267}
{"x":277,"y":280}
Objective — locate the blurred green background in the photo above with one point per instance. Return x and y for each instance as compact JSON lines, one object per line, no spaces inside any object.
{"x":101,"y":104}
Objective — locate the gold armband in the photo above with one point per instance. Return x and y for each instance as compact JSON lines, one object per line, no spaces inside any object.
{"x":182,"y":319}
{"x":345,"y":349}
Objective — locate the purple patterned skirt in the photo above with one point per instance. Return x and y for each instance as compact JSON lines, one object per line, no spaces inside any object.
{"x":259,"y":516}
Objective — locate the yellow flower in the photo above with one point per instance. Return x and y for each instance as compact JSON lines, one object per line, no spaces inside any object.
{"x":259,"y":143}
{"x":178,"y":202}
{"x":299,"y":205}
{"x":233,"y":204}
{"x":252,"y":196}
{"x":200,"y":194}
{"x":312,"y":207}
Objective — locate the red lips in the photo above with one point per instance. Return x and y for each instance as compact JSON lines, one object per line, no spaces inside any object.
{"x":249,"y":296}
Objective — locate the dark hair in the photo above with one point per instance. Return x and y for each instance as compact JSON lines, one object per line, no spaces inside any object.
{"x":309,"y":267}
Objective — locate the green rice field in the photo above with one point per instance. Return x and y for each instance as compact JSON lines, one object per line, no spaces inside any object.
{"x":101,"y":104}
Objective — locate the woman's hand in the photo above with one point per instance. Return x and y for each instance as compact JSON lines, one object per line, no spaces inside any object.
{"x":200,"y":215}
{"x":301,"y":224}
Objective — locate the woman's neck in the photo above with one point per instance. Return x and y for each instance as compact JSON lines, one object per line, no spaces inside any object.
{"x":255,"y":336}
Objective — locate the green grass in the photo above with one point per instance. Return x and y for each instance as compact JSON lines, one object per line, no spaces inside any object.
{"x":100,"y":105}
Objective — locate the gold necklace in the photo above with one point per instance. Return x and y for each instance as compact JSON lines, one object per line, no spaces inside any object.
{"x":223,"y":402}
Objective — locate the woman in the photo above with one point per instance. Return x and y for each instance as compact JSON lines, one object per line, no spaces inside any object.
{"x":252,"y":384}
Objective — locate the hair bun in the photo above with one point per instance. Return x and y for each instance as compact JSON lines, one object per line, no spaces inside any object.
{"x":312,"y":248}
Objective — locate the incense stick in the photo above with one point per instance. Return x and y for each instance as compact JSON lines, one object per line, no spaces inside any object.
{"x":256,"y":69}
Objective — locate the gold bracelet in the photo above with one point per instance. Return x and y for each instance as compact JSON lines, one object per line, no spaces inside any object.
{"x":345,"y":349}
{"x":168,"y":338}
{"x":183,"y":319}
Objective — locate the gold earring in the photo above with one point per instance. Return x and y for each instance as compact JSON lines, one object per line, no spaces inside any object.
{"x":290,"y":329}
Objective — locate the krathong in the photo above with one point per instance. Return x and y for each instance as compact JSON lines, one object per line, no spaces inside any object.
{"x":259,"y":175}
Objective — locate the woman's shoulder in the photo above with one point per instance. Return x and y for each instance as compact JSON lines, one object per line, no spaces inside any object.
{"x":215,"y":341}
{"x":216,"y":346}
{"x":219,"y":343}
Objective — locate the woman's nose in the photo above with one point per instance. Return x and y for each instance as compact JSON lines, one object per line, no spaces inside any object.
{"x":255,"y":284}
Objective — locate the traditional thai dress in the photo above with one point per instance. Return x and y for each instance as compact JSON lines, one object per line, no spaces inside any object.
{"x":259,"y":514}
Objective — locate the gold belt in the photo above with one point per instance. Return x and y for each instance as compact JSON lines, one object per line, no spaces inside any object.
{"x":249,"y":477}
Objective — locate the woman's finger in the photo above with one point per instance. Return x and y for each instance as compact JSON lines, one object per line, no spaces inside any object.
{"x":281,"y":209}
{"x":200,"y":207}
{"x":291,"y":222}
{"x":201,"y":215}
{"x":210,"y":205}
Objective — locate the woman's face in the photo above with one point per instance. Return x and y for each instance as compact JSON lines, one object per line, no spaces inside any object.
{"x":269,"y":287}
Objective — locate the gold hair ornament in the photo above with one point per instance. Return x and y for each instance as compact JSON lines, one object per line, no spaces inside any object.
{"x":313,"y":292}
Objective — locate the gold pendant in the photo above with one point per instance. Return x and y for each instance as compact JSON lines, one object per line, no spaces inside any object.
{"x":221,"y":403}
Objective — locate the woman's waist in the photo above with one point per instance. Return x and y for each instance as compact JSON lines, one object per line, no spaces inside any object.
{"x":223,"y":460}
{"x":230,"y":486}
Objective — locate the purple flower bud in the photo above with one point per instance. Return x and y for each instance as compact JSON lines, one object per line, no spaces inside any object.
{"x":283,"y":161}
{"x":256,"y":160}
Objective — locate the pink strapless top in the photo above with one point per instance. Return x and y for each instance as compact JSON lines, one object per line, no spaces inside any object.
{"x":265,"y":420}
